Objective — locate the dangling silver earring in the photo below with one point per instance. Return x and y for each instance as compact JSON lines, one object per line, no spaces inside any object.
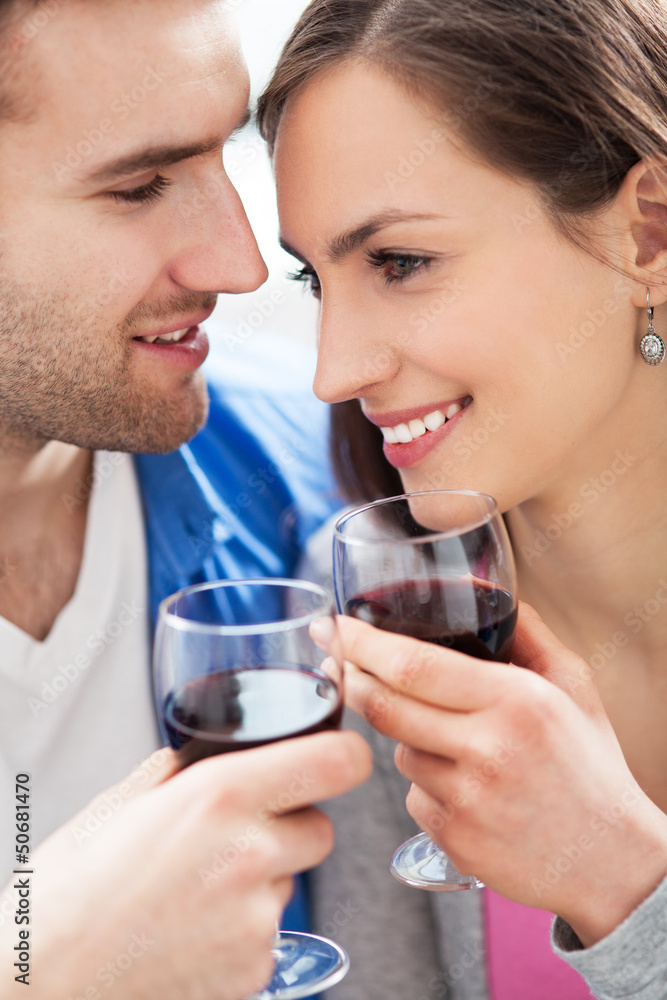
{"x":651,"y":346}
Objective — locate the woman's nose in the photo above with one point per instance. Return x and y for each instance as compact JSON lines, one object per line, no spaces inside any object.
{"x":352,"y":358}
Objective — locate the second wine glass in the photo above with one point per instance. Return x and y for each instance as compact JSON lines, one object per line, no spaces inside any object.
{"x":235,"y":668}
{"x":437,"y":566}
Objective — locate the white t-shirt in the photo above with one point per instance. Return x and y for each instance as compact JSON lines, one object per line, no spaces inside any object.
{"x":76,"y":711}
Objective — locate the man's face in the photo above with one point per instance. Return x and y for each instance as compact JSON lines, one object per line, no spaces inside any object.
{"x":118,"y":222}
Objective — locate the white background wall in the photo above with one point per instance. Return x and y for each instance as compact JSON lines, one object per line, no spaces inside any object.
{"x":265,"y":26}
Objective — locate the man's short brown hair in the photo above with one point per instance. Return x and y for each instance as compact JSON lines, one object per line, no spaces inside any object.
{"x":20,"y":22}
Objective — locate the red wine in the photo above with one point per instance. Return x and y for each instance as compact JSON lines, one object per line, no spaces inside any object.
{"x":467,"y":615}
{"x":248,"y":707}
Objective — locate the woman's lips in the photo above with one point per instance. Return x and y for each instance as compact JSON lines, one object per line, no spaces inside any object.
{"x":404,"y":455}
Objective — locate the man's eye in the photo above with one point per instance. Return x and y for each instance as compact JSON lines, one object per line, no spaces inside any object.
{"x":308,"y":276}
{"x":397,"y":267}
{"x":144,"y":194}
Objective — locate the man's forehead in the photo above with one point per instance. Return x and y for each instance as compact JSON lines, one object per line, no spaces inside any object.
{"x":124,"y":61}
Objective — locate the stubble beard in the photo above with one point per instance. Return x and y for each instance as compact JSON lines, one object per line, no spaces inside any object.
{"x":66,"y":377}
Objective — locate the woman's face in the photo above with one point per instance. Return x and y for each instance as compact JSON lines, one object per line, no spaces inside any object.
{"x":446,"y":292}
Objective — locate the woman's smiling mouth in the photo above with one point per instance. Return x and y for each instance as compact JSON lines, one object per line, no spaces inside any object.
{"x":410,"y":434}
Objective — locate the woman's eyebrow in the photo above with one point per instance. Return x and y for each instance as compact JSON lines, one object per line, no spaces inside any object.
{"x":291,"y":251}
{"x":345,"y":243}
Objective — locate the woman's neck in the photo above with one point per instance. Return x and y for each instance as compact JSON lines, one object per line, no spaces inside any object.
{"x":592,"y":555}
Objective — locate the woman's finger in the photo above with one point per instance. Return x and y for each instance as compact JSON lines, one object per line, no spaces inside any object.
{"x":431,"y":812}
{"x":537,"y":648}
{"x":422,"y":670}
{"x":401,"y":717}
{"x":454,"y":783}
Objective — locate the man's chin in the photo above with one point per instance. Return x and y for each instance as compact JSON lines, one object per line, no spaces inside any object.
{"x":156,"y":429}
{"x":167,"y":435}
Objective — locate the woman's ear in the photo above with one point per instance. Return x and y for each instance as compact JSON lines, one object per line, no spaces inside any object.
{"x":643,"y":203}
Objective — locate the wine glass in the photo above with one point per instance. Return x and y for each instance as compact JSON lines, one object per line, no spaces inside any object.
{"x":437,"y":566}
{"x":235,"y":668}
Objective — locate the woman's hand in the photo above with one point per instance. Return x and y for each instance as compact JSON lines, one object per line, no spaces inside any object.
{"x":517,"y":774}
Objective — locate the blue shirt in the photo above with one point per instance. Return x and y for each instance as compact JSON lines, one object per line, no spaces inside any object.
{"x":240,"y":500}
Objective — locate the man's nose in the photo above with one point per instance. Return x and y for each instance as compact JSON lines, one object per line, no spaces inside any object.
{"x":218,"y":251}
{"x":353,"y":358}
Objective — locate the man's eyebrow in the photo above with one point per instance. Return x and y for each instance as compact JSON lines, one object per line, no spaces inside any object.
{"x":346,"y":243}
{"x":245,"y":120}
{"x":159,"y":156}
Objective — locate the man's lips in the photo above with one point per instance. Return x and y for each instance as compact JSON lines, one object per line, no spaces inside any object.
{"x":186,"y":353}
{"x":187,"y":324}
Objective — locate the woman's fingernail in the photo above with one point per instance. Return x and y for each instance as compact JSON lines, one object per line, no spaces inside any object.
{"x":322,"y":632}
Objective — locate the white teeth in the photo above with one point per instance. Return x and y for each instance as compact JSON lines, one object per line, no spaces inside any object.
{"x":434,"y":420}
{"x":417,"y":428}
{"x":404,"y":433}
{"x":166,"y":338}
{"x":171,"y":338}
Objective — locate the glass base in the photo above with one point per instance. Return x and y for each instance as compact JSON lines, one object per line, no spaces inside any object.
{"x":422,"y":864}
{"x":305,"y":964}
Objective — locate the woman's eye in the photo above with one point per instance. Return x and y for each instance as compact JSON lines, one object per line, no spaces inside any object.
{"x":144,"y":194}
{"x":308,"y":276}
{"x":403,"y":266}
{"x":397,"y":267}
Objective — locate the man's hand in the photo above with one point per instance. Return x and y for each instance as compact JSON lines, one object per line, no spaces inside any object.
{"x":176,"y":895}
{"x":517,"y":773}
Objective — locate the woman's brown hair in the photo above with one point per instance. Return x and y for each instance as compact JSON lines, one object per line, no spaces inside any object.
{"x":567,"y":94}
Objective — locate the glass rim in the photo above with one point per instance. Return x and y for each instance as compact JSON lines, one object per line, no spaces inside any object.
{"x":432,"y":536}
{"x":175,"y":621}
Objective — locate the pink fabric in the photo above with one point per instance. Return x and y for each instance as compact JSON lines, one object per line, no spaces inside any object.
{"x":520,"y":962}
